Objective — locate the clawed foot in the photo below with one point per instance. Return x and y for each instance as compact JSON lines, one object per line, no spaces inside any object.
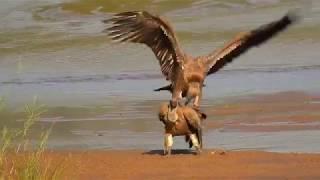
{"x":196,"y":107}
{"x":198,"y":150}
{"x":167,"y":151}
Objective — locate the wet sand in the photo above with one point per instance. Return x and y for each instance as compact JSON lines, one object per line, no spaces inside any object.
{"x":276,"y":112}
{"x":211,"y":164}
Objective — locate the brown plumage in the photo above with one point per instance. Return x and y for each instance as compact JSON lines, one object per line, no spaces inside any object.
{"x":186,"y":73}
{"x":182,"y":121}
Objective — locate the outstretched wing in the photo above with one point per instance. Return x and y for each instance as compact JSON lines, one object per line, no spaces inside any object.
{"x":155,"y":32}
{"x":244,"y":41}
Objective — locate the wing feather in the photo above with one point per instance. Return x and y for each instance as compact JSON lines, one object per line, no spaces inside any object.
{"x":153,"y":31}
{"x":244,"y":41}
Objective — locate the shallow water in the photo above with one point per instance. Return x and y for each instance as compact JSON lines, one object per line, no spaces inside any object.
{"x":56,"y":50}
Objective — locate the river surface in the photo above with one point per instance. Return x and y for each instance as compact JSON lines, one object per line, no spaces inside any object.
{"x":99,"y":93}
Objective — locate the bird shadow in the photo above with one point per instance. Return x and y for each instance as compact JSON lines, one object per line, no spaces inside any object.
{"x":173,"y":152}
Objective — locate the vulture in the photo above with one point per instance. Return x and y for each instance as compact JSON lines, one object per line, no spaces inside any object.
{"x":187,"y":73}
{"x":181,"y":121}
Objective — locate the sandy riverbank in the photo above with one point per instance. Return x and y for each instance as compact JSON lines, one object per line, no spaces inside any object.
{"x":211,"y":164}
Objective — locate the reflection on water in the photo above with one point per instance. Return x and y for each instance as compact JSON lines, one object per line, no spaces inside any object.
{"x":57,"y":51}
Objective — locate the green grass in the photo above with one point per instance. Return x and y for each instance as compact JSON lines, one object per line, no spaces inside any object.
{"x":20,"y":159}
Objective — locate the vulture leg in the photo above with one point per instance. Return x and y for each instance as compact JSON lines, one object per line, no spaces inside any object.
{"x":195,"y":143}
{"x":168,"y":142}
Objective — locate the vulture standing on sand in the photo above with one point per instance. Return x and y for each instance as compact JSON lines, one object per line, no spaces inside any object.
{"x":181,"y":121}
{"x":185,"y":72}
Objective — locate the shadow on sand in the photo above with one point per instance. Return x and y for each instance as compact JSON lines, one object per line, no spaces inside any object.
{"x":173,"y":152}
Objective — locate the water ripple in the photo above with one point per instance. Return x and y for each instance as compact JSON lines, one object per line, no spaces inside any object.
{"x":147,"y":75}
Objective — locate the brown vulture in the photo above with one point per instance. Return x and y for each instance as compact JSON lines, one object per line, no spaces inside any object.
{"x":187,"y":73}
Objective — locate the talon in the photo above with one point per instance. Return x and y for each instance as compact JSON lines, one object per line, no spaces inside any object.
{"x":196,"y":107}
{"x":198,"y":150}
{"x":169,"y":152}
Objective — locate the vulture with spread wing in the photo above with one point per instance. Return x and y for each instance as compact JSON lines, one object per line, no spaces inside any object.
{"x":186,"y":73}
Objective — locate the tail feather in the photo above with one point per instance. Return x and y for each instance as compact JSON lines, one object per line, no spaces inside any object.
{"x":188,"y":140}
{"x":199,"y":136}
{"x":168,"y":88}
{"x":164,"y":88}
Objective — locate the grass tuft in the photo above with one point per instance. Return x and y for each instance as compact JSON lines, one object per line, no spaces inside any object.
{"x":19,"y":159}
